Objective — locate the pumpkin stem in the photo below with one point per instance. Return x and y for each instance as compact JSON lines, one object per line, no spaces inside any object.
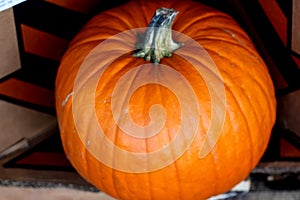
{"x":158,"y":40}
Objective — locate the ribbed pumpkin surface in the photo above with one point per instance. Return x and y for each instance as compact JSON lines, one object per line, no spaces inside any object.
{"x":249,"y":103}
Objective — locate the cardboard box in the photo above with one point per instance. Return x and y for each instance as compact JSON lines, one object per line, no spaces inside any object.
{"x":9,"y":51}
{"x":295,"y":34}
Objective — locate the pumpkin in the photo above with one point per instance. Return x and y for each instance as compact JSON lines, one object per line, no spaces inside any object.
{"x":189,"y":121}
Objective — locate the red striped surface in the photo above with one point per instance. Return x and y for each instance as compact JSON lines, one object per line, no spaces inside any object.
{"x":85,"y":6}
{"x":42,"y":44}
{"x":48,"y":46}
{"x":27,"y":92}
{"x":45,"y":159}
{"x":278,"y":20}
{"x":279,"y":81}
{"x":287,"y":150}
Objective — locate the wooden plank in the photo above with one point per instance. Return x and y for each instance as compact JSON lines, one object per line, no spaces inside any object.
{"x":278,"y":167}
{"x":274,"y":195}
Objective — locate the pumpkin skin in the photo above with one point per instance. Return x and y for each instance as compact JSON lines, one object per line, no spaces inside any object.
{"x":249,"y":118}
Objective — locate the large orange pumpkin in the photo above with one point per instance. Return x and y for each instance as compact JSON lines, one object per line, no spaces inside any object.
{"x":189,"y":127}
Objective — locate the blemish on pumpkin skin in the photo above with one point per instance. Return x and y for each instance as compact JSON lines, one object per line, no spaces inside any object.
{"x":233,"y":35}
{"x":105,"y":101}
{"x":64,"y":102}
{"x":88,"y":143}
